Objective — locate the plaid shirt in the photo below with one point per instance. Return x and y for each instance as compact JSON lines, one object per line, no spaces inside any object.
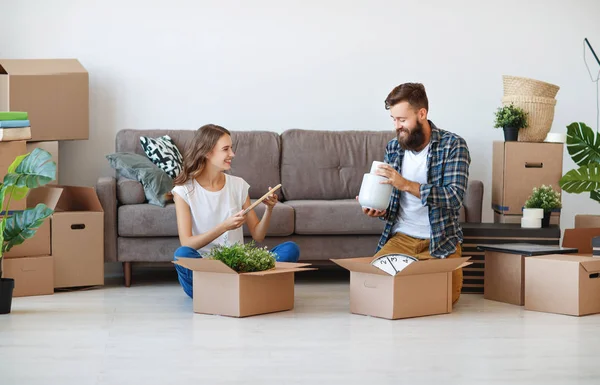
{"x":447,"y":176}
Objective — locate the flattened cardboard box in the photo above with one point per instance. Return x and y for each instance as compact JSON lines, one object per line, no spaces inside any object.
{"x":518,"y":167}
{"x":563,"y":284}
{"x":32,"y":275}
{"x":40,"y":243}
{"x":78,"y":238}
{"x":220,"y":290}
{"x":8,"y":152}
{"x":504,"y":272}
{"x":420,"y":289}
{"x":54,"y":93}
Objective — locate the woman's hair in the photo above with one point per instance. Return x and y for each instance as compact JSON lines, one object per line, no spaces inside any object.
{"x":194,"y":157}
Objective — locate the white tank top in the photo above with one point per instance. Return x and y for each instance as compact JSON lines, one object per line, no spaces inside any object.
{"x":210,"y":208}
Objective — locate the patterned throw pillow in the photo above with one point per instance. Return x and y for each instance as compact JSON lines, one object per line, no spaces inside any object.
{"x":164,"y":153}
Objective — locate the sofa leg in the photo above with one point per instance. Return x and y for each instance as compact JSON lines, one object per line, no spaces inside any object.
{"x":127,"y":273}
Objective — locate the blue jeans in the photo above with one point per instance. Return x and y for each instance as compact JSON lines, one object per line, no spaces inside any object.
{"x":285,"y":252}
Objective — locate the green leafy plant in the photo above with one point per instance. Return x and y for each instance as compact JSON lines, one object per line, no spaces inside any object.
{"x":26,"y":172}
{"x":544,"y":197}
{"x":243,"y":258}
{"x":583,"y":144}
{"x":510,"y":116}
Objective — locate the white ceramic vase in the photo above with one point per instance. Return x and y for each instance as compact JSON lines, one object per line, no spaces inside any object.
{"x":374,"y":194}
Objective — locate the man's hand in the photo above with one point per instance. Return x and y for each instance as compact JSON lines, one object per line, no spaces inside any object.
{"x":372,"y":212}
{"x":397,"y":180}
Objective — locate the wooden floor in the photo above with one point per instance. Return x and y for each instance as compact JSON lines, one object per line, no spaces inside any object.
{"x":148,"y":334}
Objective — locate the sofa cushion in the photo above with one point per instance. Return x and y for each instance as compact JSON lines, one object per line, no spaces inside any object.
{"x":130,"y":192}
{"x":144,"y":220}
{"x":323,"y":217}
{"x":163,"y":153}
{"x":256,"y":154}
{"x":328,"y":164}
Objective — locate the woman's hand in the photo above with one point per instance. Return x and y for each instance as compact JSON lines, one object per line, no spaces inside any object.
{"x":235,"y":221}
{"x":271,"y":200}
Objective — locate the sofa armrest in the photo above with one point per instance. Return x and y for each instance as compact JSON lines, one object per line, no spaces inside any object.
{"x":106,"y":189}
{"x":473,"y":201}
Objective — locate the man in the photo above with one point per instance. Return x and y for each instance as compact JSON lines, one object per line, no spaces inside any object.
{"x":429,"y":169}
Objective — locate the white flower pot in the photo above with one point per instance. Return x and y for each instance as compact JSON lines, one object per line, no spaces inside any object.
{"x":373,"y":194}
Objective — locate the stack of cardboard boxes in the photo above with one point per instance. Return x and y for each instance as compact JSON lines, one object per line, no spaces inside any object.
{"x":517,"y":168}
{"x":67,"y":250}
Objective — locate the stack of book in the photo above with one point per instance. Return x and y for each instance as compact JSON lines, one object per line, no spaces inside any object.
{"x":14,"y":125}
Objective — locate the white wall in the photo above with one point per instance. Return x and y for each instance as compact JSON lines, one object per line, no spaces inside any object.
{"x":275,"y":65}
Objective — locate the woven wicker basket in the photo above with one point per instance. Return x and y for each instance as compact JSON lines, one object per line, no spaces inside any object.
{"x":514,"y":85}
{"x":540,"y":115}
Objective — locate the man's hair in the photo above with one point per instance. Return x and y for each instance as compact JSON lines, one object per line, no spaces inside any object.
{"x":413,"y":93}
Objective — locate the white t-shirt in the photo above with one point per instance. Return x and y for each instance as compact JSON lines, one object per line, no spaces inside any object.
{"x":210,"y":208}
{"x":413,"y":216}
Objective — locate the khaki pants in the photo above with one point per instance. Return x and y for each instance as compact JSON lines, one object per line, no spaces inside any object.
{"x":419,"y":248}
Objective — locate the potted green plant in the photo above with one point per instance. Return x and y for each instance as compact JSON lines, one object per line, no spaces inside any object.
{"x":545,"y":198}
{"x":511,"y":118}
{"x":583,"y":144}
{"x":243,"y":258}
{"x":26,"y":172}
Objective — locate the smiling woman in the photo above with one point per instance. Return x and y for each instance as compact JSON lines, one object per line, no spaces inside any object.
{"x":212,"y":206}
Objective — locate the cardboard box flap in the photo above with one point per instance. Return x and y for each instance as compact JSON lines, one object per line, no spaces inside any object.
{"x":361,"y":265}
{"x":591,"y":266}
{"x":435,"y":265}
{"x":205,"y":264}
{"x":47,"y":195}
{"x":40,"y":66}
{"x":279,"y":271}
{"x":77,"y":198}
{"x":290,"y":265}
{"x":575,"y":258}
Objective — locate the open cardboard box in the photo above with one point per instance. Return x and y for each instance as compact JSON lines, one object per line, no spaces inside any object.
{"x":563,"y":284}
{"x":220,"y":290}
{"x":420,"y":289}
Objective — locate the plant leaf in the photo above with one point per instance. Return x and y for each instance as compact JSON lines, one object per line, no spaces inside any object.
{"x":585,"y":178}
{"x":36,"y":169}
{"x":595,"y":195}
{"x":22,"y":225}
{"x":13,"y":166}
{"x":583,"y":144}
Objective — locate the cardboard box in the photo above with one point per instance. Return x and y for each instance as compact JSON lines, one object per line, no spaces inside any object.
{"x":504,"y":274}
{"x":508,"y":218}
{"x":32,"y":275}
{"x":220,"y":290}
{"x":581,"y":238}
{"x":518,"y":167}
{"x":587,"y":220}
{"x":52,"y":148}
{"x":54,"y":93}
{"x":563,"y":284}
{"x":420,"y":289}
{"x":39,"y":244}
{"x":78,"y":238}
{"x":8,"y":152}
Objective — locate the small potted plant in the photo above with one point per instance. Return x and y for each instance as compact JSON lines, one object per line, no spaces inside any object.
{"x":511,"y":118}
{"x":26,"y":172}
{"x":243,"y":258}
{"x":546,"y":199}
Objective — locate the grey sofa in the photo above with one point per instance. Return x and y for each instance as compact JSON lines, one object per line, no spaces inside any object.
{"x":320,"y":172}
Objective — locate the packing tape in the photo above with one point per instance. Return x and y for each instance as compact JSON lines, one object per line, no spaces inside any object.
{"x":531,"y":223}
{"x":556,"y":137}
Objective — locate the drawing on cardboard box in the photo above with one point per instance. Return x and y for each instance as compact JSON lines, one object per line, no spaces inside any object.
{"x":393,"y":263}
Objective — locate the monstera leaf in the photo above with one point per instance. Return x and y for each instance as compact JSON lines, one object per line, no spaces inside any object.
{"x":14,"y":192}
{"x":583,"y":144}
{"x":34,"y":170}
{"x":22,"y":225}
{"x":585,"y":178}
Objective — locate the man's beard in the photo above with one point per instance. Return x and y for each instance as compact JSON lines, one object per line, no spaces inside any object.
{"x":414,"y":140}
